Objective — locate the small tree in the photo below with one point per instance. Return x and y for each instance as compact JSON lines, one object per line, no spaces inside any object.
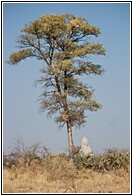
{"x":61,"y":41}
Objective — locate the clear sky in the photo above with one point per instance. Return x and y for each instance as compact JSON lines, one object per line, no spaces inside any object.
{"x":107,"y":128}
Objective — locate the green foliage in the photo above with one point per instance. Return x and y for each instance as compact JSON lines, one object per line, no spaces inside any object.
{"x":113,"y":159}
{"x":80,"y":161}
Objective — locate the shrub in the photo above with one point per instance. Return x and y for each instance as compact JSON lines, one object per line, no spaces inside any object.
{"x":57,"y":166}
{"x":112,"y":159}
{"x":9,"y":160}
{"x":27,"y":153}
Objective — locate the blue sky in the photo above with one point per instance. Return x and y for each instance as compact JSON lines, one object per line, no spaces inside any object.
{"x":107,"y":128}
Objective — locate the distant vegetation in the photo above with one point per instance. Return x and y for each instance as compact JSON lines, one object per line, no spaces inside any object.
{"x":27,"y":166}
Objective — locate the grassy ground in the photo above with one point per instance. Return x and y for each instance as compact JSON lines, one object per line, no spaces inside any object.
{"x":59,"y":175}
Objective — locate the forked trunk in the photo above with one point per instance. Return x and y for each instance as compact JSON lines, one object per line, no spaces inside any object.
{"x":70,"y":139}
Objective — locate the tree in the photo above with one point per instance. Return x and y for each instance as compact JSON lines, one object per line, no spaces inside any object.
{"x":62,"y":42}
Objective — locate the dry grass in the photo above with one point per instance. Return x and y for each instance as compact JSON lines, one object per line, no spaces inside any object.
{"x":59,"y":175}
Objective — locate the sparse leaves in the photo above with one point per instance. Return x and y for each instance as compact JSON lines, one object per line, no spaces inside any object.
{"x":61,"y":41}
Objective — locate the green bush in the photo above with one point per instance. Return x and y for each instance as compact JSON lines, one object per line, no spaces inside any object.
{"x":112,"y":159}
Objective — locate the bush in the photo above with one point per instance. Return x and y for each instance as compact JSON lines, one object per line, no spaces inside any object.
{"x":27,"y":153}
{"x":57,"y":165}
{"x":112,"y":159}
{"x":9,"y":160}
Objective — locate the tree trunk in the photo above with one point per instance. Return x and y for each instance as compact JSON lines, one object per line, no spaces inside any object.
{"x":70,"y":139}
{"x":69,"y":127}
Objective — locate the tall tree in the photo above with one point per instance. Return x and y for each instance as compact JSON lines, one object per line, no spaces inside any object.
{"x":62,"y":42}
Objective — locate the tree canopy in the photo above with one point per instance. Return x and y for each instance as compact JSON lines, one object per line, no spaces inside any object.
{"x":62,"y":42}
